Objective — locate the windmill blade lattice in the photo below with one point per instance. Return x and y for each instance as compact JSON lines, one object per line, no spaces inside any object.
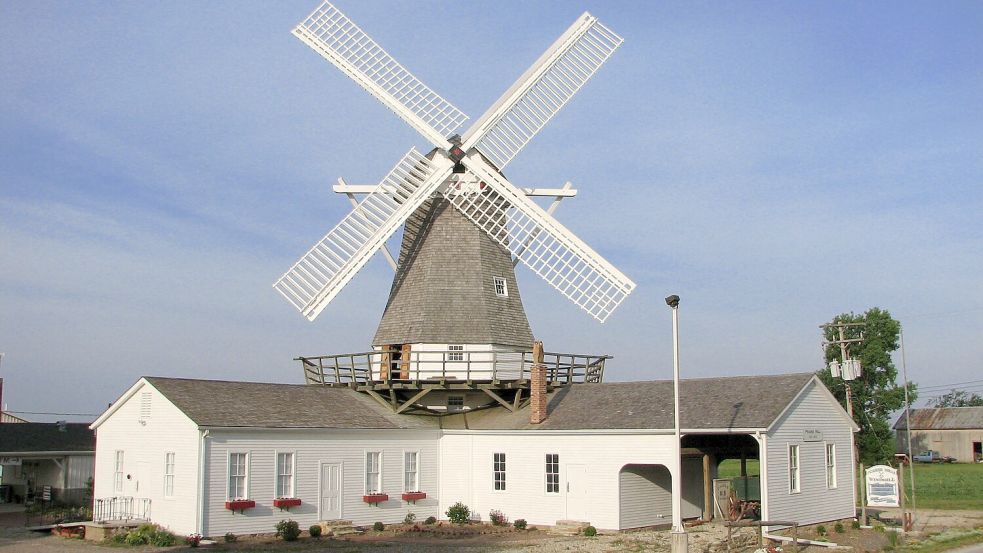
{"x":326,"y":268}
{"x":541,"y":243}
{"x":542,"y":90}
{"x":339,"y":40}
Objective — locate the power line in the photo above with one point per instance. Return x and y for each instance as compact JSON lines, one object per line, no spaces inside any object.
{"x":953,"y":385}
{"x":47,"y":413}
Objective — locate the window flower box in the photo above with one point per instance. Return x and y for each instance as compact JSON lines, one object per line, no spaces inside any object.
{"x":375,"y":498}
{"x":286,"y":502}
{"x":240,"y":505}
{"x":413,"y":497}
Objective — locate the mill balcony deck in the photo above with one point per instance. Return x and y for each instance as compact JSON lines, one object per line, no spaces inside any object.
{"x":448,"y":369}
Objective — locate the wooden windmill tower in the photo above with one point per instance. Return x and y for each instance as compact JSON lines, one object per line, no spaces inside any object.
{"x":454,"y":320}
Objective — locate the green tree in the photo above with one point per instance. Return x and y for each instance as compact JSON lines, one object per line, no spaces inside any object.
{"x":958,"y":398}
{"x":876,"y":394}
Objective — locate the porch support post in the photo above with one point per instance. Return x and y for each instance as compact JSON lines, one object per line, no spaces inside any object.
{"x":707,"y":496}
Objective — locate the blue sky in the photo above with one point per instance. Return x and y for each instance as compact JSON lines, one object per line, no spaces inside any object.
{"x":774,"y":164}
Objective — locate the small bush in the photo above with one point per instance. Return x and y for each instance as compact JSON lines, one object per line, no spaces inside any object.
{"x":520,"y":524}
{"x":194,"y":540}
{"x":230,"y":537}
{"x":378,"y":527}
{"x":838,"y":528}
{"x":314,"y":531}
{"x":590,"y":531}
{"x":498,"y":518}
{"x":134,"y":538}
{"x":289,"y":530}
{"x":163,"y":539}
{"x":855,"y":524}
{"x":118,"y":538}
{"x":410,"y":518}
{"x":430,"y":521}
{"x":821,"y":530}
{"x":459,"y":513}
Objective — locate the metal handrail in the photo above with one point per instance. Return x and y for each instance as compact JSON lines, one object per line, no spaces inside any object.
{"x":121,"y":508}
{"x":388,"y":366}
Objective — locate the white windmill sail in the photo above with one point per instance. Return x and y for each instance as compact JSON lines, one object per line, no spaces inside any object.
{"x":339,"y":40}
{"x":541,"y":243}
{"x":326,"y":268}
{"x":542,"y":90}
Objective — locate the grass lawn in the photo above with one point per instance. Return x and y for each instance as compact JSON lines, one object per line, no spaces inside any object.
{"x":938,"y":486}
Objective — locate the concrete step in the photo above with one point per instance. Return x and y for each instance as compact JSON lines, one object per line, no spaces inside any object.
{"x":569,"y":527}
{"x":338,"y":528}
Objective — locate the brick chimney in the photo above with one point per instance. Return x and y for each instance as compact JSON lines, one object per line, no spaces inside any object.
{"x":537,"y":392}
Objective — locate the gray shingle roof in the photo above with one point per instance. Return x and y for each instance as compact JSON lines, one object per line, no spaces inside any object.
{"x":264,"y":405}
{"x":705,"y":403}
{"x":43,"y":436}
{"x":444,"y":290}
{"x":945,"y":418}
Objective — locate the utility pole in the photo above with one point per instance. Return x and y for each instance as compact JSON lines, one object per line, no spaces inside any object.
{"x":847,"y":369}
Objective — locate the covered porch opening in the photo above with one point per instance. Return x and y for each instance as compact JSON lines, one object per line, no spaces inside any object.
{"x":728,"y":478}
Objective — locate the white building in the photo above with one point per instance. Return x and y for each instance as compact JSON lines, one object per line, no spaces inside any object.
{"x":214,"y":457}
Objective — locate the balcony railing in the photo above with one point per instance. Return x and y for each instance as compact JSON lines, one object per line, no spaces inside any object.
{"x":443,"y":366}
{"x":121,"y":508}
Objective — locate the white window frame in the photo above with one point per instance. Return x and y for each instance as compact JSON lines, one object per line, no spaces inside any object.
{"x":829,"y":451}
{"x":501,"y":287}
{"x":455,"y":352}
{"x":499,"y":484}
{"x":794,"y":468}
{"x":169,"y":473}
{"x":416,"y":471}
{"x":555,"y":473}
{"x":229,"y":475}
{"x":118,"y":470}
{"x":365,"y":472}
{"x":292,"y":475}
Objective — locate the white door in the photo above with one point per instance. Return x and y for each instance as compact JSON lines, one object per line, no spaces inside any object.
{"x":141,"y":479}
{"x":330,"y":508}
{"x":577,"y":492}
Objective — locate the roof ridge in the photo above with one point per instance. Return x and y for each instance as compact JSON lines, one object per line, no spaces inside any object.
{"x":219,"y":380}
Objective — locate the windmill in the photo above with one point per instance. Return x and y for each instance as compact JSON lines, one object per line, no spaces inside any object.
{"x":459,"y":180}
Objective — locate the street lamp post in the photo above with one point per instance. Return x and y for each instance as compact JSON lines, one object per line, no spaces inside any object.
{"x":680,"y":541}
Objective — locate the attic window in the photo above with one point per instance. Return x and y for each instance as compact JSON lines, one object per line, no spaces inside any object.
{"x":455,"y":353}
{"x":144,"y":406}
{"x":501,"y":287}
{"x":455,"y":403}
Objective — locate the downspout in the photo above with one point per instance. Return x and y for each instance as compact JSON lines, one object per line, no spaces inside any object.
{"x":199,"y":504}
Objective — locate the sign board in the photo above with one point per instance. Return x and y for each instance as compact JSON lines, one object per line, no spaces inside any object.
{"x":812,"y":435}
{"x":16,"y":461}
{"x":721,"y":497}
{"x":882,"y":486}
{"x":46,"y":493}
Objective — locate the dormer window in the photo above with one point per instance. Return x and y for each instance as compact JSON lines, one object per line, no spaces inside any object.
{"x":501,"y":287}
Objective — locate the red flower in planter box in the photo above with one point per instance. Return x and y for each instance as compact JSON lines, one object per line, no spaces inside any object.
{"x":374,"y":498}
{"x":413,"y":497}
{"x":240,"y":504}
{"x":286,"y":502}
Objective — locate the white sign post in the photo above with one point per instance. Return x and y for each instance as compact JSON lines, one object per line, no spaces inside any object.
{"x":882,"y":486}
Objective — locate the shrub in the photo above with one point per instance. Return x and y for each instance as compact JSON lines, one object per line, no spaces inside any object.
{"x":230,"y":537}
{"x":378,"y":527}
{"x":163,"y":538}
{"x":430,"y":520}
{"x":135,"y":538}
{"x":590,"y":531}
{"x":520,"y":524}
{"x":289,"y":530}
{"x":498,"y":518}
{"x":410,"y":518}
{"x":838,"y":528}
{"x":193,"y":540}
{"x":314,"y":531}
{"x":118,"y":538}
{"x":821,"y":530}
{"x":855,"y":524}
{"x":459,"y":513}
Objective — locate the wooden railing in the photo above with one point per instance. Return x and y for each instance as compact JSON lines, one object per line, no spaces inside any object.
{"x":394,"y":366}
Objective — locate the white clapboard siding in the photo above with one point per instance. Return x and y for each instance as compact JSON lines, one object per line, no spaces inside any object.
{"x":466,"y":474}
{"x":813,"y":410}
{"x":79,"y":469}
{"x":311,"y":447}
{"x":144,"y":445}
